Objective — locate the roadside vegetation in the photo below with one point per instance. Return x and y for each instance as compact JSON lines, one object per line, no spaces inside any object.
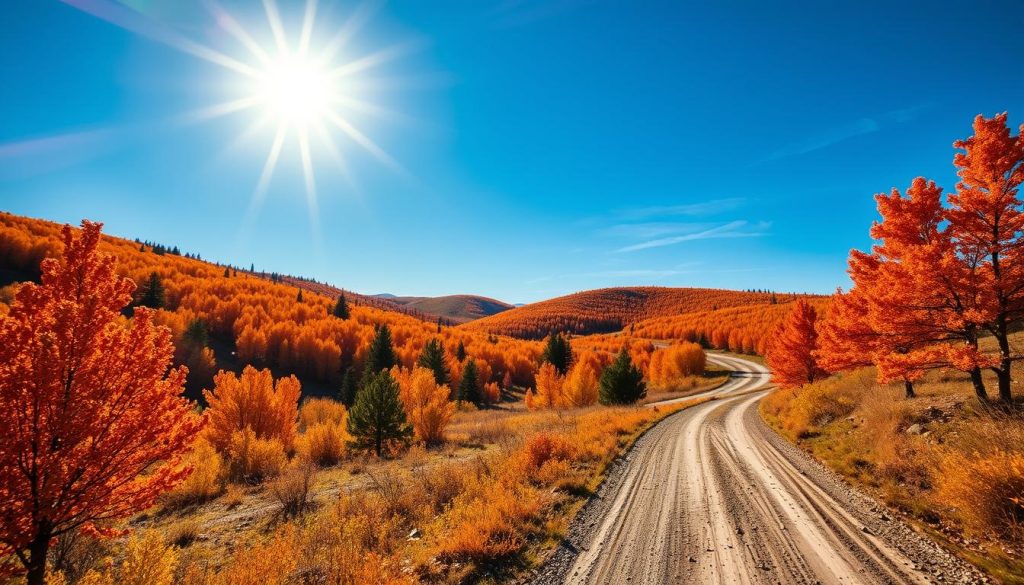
{"x":909,"y":382}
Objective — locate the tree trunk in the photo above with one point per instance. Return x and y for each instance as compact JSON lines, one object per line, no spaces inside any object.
{"x":37,"y":551}
{"x":908,"y":388}
{"x":979,"y":385}
{"x":1004,"y":375}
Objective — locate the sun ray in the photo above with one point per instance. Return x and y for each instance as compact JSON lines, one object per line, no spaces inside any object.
{"x":307,"y":27}
{"x":374,"y":59}
{"x":377,"y":110}
{"x":349,"y":28}
{"x":134,"y":22}
{"x":312,"y":205}
{"x":274,"y":19}
{"x":364,"y":141}
{"x":218,"y":110}
{"x":233,"y":28}
{"x":269,"y":166}
{"x":332,"y":149}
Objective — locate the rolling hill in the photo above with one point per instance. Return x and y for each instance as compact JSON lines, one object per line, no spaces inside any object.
{"x":454,"y":308}
{"x":610,"y":309}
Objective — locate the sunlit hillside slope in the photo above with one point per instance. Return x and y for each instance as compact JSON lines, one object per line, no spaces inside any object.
{"x":610,"y":309}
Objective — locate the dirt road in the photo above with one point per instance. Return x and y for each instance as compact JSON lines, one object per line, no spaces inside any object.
{"x":711,"y":495}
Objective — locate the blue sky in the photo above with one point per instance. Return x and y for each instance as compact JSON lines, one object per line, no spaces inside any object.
{"x":532,"y":148}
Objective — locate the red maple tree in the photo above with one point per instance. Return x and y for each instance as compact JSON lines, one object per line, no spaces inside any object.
{"x":93,"y":422}
{"x":791,"y":355}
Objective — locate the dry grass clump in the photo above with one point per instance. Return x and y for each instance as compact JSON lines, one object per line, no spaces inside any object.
{"x":802,"y":411}
{"x":986,"y":491}
{"x":291,"y":489}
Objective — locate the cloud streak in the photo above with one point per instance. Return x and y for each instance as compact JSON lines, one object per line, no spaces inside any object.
{"x":847,"y":131}
{"x":733,"y":229}
{"x":711,"y":207}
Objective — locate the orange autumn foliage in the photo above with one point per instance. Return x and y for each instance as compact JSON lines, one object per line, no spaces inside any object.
{"x":548,"y":393}
{"x":88,"y":407}
{"x":264,"y":320}
{"x":791,"y":353}
{"x":252,"y":401}
{"x":607,"y":310}
{"x":581,"y":381}
{"x":743,"y":329}
{"x":426,"y":403}
{"x":940,"y":276}
{"x":671,"y":365}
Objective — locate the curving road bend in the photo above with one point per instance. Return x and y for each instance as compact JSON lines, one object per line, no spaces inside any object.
{"x":711,"y":495}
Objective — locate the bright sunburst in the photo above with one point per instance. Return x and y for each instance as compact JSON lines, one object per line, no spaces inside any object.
{"x":303,"y":90}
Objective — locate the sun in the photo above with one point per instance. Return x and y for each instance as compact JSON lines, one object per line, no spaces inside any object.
{"x":307,"y":88}
{"x":295,"y":90}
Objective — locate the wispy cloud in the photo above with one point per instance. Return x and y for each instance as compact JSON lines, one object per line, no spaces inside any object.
{"x":733,"y":229}
{"x":701,"y":208}
{"x":651,"y":230}
{"x":847,"y":131}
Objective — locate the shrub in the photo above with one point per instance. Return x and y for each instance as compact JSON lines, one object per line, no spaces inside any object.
{"x":323,"y":443}
{"x":252,"y":401}
{"x":987,"y":491}
{"x":315,"y":411}
{"x":206,"y":480}
{"x":254,"y":459}
{"x":543,"y":447}
{"x":291,"y":488}
{"x":148,"y":560}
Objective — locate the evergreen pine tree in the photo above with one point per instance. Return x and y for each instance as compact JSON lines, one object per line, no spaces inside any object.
{"x":341,"y":307}
{"x":558,"y":353}
{"x":349,"y":387}
{"x":622,"y":382}
{"x":432,"y":357}
{"x":469,"y":385}
{"x":380,"y":356}
{"x":153,"y":295}
{"x":460,"y":352}
{"x":376,"y":418}
{"x":227,"y":273}
{"x":298,"y":298}
{"x":196,"y":334}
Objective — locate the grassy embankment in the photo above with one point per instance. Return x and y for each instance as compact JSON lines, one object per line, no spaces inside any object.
{"x":951,"y":465}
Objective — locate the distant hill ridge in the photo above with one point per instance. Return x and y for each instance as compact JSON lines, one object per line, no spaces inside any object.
{"x":454,"y":308}
{"x":611,"y":309}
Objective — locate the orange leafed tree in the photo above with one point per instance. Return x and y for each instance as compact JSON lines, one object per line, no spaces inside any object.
{"x":791,"y":353}
{"x":939,"y":277}
{"x":425,"y":402}
{"x":87,"y":404}
{"x":549,"y":389}
{"x":252,"y":401}
{"x":581,"y":381}
{"x":987,"y":224}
